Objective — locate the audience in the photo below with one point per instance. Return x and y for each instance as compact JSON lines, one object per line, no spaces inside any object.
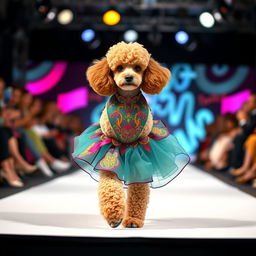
{"x":222,"y":145}
{"x":29,"y":110}
{"x":245,"y":143}
{"x":232,"y":145}
{"x":53,"y":138}
{"x":35,"y":136}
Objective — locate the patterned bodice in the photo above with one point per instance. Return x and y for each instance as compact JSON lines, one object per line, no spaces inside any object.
{"x":127,"y":116}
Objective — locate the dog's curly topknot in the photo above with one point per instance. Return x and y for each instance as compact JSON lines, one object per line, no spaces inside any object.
{"x":131,"y":53}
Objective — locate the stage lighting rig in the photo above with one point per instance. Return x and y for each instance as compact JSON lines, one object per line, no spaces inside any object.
{"x":169,"y":16}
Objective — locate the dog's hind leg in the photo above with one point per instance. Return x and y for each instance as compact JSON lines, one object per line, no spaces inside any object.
{"x":111,"y":198}
{"x":137,"y":201}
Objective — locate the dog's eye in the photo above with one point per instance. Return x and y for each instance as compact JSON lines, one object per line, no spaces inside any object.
{"x":137,"y":68}
{"x":119,"y":68}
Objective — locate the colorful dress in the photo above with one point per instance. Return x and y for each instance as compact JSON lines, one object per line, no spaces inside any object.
{"x":156,"y":159}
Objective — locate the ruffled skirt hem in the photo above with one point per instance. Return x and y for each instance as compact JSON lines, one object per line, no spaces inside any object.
{"x":157,"y":159}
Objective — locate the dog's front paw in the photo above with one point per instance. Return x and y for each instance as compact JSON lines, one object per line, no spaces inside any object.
{"x":114,"y":224}
{"x":131,"y":222}
{"x":114,"y":216}
{"x":113,"y":212}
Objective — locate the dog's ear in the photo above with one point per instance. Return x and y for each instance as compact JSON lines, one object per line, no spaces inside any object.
{"x":100,"y":79}
{"x":155,"y":78}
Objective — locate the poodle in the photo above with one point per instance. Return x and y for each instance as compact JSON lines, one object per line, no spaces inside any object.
{"x":127,"y":145}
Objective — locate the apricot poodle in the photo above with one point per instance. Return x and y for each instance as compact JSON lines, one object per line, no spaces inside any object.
{"x":126,"y":69}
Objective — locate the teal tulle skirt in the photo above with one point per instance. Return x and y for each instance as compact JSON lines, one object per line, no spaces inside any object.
{"x":157,"y":159}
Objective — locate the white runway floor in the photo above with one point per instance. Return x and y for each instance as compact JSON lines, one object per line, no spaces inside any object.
{"x":194,"y":205}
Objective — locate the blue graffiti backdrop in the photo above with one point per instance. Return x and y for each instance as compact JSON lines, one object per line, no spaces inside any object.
{"x":176,"y":104}
{"x":192,"y":98}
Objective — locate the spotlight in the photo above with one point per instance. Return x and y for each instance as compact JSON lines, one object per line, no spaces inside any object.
{"x":223,"y":10}
{"x":218,"y":17}
{"x":186,"y":41}
{"x":111,"y":18}
{"x":181,"y":37}
{"x":65,"y":16}
{"x":51,"y":15}
{"x":88,"y":35}
{"x":206,"y":19}
{"x":130,"y":35}
{"x":91,"y":38}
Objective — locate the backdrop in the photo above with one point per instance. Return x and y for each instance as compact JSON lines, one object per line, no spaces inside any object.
{"x":195,"y":95}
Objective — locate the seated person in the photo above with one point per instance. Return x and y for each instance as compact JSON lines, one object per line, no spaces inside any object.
{"x":48,"y":135}
{"x":247,"y":171}
{"x":219,"y":151}
{"x":29,"y":109}
{"x":8,"y":171}
{"x":247,"y":121}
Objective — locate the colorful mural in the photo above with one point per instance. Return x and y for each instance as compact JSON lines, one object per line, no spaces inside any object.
{"x":192,"y":99}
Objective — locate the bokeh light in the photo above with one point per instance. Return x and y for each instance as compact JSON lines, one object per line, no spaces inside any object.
{"x":88,"y":35}
{"x":65,"y":17}
{"x":130,"y":35}
{"x":206,"y":19}
{"x":181,"y":37}
{"x":111,"y":17}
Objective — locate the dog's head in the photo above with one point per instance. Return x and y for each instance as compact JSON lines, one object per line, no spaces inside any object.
{"x":128,"y":66}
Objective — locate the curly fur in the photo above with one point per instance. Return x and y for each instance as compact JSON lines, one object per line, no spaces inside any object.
{"x":155,"y":78}
{"x":101,"y":78}
{"x":132,"y":53}
{"x":111,"y":198}
{"x":100,"y":74}
{"x":137,"y":201}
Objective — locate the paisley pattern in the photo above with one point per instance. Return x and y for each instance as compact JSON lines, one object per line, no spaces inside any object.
{"x":110,"y":161}
{"x":127,"y":117}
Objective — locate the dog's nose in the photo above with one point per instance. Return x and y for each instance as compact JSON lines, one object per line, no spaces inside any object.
{"x":128,"y":78}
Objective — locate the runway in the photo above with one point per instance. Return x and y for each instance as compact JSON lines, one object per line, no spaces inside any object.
{"x":194,"y":205}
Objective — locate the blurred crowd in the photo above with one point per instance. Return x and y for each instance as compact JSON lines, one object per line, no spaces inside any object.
{"x":34,"y":136}
{"x":230,"y":144}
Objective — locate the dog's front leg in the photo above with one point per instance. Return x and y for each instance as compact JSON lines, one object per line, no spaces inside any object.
{"x":111,"y":198}
{"x":137,"y":201}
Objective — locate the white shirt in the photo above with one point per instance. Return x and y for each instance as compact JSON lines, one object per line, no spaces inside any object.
{"x":41,"y":129}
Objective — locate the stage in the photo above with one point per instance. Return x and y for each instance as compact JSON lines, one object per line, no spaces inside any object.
{"x":194,"y":205}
